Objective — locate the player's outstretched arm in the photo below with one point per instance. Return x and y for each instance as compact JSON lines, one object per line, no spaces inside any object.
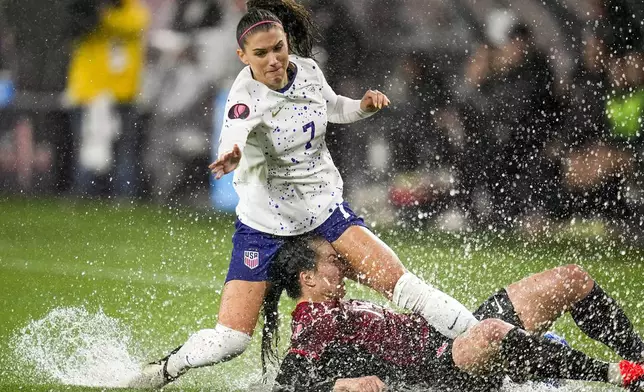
{"x":344,"y":110}
{"x":226,"y":163}
{"x":299,"y":374}
{"x":360,"y":384}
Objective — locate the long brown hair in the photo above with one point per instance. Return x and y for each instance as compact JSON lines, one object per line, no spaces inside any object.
{"x":295,"y":255}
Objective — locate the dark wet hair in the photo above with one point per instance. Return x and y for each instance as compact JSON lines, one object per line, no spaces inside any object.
{"x":295,"y":255}
{"x":294,"y":18}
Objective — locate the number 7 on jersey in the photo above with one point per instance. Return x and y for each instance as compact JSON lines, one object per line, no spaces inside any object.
{"x":305,"y":128}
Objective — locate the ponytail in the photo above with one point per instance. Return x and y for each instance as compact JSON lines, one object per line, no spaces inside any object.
{"x":270,"y":332}
{"x":295,"y":255}
{"x":294,"y":18}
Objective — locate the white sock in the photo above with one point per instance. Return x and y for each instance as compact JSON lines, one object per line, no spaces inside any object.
{"x":440,"y":310}
{"x":208,"y":347}
{"x":615,"y":375}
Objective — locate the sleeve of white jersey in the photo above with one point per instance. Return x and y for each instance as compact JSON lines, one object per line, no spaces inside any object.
{"x":241,"y":116}
{"x":340,"y":109}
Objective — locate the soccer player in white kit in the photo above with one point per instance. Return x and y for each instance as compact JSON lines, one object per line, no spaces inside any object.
{"x":273,"y":138}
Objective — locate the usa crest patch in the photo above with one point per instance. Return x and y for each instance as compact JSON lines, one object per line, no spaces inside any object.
{"x":251,"y":259}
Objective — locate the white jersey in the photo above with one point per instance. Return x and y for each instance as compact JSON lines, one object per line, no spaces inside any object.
{"x":286,"y":181}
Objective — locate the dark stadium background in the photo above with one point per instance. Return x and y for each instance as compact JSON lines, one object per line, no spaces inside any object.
{"x":483,"y":170}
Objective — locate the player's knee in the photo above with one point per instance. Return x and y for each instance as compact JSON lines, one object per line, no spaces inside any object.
{"x":473,"y":351}
{"x":576,"y":278}
{"x":575,"y":272}
{"x":468,"y":353}
{"x":493,"y":330}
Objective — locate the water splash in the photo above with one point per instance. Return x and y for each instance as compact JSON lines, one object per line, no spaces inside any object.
{"x":72,"y":346}
{"x":529,"y":386}
{"x":533,"y":387}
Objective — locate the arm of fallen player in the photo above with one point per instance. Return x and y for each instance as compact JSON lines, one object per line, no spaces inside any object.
{"x":360,"y":384}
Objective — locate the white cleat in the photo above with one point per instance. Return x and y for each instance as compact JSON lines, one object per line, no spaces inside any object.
{"x":155,"y":375}
{"x":151,"y":377}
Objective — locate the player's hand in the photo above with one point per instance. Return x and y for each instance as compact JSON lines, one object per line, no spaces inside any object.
{"x":373,"y":101}
{"x":360,"y":384}
{"x":226,"y":163}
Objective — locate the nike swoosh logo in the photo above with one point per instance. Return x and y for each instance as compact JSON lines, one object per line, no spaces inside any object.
{"x":454,"y":323}
{"x":277,"y":112}
{"x":499,"y":306}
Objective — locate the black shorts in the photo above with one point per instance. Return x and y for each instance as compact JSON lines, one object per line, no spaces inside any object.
{"x":443,"y":375}
{"x":500,"y":307}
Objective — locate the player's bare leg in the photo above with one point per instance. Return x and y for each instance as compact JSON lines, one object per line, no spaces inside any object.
{"x":478,"y":349}
{"x":241,"y":303}
{"x":541,"y":298}
{"x":494,"y":345}
{"x":374,"y":264}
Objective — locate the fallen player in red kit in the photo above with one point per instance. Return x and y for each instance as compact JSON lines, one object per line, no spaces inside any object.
{"x":350,"y":345}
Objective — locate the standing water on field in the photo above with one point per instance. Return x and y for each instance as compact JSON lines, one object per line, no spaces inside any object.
{"x":72,"y":346}
{"x":75,"y":347}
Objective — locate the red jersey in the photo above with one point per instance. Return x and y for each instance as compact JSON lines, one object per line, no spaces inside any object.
{"x":401,"y":339}
{"x":350,"y":338}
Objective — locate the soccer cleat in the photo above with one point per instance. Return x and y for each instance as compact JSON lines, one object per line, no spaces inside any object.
{"x":553,"y":337}
{"x":633,"y":375}
{"x":151,"y":377}
{"x":637,"y":386}
{"x":155,"y":374}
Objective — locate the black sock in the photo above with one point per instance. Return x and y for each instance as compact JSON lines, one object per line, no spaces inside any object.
{"x":599,"y":316}
{"x":527,"y":356}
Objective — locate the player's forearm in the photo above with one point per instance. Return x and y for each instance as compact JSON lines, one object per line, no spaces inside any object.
{"x":299,"y":374}
{"x":341,"y":385}
{"x":359,"y":384}
{"x":346,"y":110}
{"x":306,"y":385}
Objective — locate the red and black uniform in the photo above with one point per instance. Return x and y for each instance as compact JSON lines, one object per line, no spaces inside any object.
{"x":347,"y":339}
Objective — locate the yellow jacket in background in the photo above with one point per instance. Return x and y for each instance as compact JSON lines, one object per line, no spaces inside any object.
{"x":111,"y":58}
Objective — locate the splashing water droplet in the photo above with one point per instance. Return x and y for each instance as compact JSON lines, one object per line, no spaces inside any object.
{"x":75,"y":347}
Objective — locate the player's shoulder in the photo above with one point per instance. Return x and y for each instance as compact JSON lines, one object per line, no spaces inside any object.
{"x":245,"y":86}
{"x":361,"y":304}
{"x":247,"y":97}
{"x":310,"y":319}
{"x":305,"y":65}
{"x":305,"y":61}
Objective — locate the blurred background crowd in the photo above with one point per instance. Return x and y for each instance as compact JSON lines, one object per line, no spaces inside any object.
{"x":505,"y":114}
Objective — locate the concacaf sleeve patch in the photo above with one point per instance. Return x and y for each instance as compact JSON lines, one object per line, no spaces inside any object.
{"x":239,"y":111}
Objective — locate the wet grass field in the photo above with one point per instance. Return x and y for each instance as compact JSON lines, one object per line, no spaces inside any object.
{"x":125,"y":283}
